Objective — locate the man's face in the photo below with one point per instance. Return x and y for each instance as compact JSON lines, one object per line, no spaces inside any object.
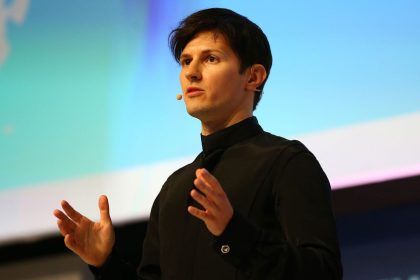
{"x":214,"y":90}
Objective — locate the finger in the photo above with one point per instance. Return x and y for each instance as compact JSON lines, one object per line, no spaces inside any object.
{"x":61,"y":229}
{"x":62,"y":218}
{"x":60,"y":215}
{"x":104,"y":209}
{"x":64,"y":228}
{"x":73,"y":214}
{"x":201,"y":185}
{"x":207,"y":189}
{"x":209,"y":179}
{"x":201,"y":199}
{"x":202,"y":215}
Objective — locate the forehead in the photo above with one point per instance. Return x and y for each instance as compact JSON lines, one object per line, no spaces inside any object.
{"x":207,"y":40}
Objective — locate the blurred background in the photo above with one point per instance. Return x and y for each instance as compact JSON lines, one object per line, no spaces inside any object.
{"x":87,"y":107}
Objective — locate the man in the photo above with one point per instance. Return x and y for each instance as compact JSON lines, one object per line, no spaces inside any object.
{"x":251,"y":205}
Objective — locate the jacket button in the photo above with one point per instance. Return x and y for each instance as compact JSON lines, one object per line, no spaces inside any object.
{"x":225,"y":249}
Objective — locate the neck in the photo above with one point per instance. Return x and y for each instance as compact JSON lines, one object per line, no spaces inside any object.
{"x":210,"y":127}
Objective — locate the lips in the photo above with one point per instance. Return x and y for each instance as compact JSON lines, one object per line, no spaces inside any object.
{"x":194,"y":91}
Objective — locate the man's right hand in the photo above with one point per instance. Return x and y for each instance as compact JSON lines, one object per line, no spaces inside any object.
{"x":92,"y":241}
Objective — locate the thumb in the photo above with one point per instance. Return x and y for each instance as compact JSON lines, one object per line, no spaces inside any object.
{"x":104,"y":209}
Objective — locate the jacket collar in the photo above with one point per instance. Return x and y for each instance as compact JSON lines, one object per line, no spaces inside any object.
{"x":231,"y":135}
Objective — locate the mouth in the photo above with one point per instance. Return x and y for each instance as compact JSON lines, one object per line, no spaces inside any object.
{"x":194,"y":91}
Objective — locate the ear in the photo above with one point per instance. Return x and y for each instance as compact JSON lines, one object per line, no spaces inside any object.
{"x":256,"y":77}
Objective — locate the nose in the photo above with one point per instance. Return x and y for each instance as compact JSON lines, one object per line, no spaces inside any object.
{"x":193,"y":71}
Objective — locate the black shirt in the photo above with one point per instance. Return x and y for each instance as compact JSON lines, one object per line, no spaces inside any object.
{"x":283,"y":226}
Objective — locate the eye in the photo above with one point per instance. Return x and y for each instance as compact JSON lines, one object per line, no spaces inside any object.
{"x":185,"y":61}
{"x":212,"y":59}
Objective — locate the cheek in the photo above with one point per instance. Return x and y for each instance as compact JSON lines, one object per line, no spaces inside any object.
{"x":182,"y":78}
{"x":228,"y":83}
{"x":184,"y":82}
{"x":220,"y":80}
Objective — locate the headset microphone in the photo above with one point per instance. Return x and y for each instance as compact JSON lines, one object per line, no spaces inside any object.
{"x":178,"y":96}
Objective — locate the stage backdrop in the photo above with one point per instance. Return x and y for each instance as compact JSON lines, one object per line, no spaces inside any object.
{"x":87,"y":98}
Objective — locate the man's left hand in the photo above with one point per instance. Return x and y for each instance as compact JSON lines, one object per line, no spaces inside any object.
{"x":217,"y":211}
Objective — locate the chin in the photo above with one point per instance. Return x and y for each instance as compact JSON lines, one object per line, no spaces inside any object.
{"x":199,"y":113}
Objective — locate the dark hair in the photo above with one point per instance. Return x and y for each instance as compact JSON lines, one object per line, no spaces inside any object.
{"x":245,"y":38}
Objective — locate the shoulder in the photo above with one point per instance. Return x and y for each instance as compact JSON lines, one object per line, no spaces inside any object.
{"x":294,"y":164}
{"x":287,"y":155}
{"x":277,"y":145}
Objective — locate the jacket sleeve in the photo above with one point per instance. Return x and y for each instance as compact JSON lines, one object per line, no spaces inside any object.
{"x":114,"y":268}
{"x":307,"y":248}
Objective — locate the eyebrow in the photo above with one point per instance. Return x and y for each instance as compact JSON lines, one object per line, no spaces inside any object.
{"x":206,"y":51}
